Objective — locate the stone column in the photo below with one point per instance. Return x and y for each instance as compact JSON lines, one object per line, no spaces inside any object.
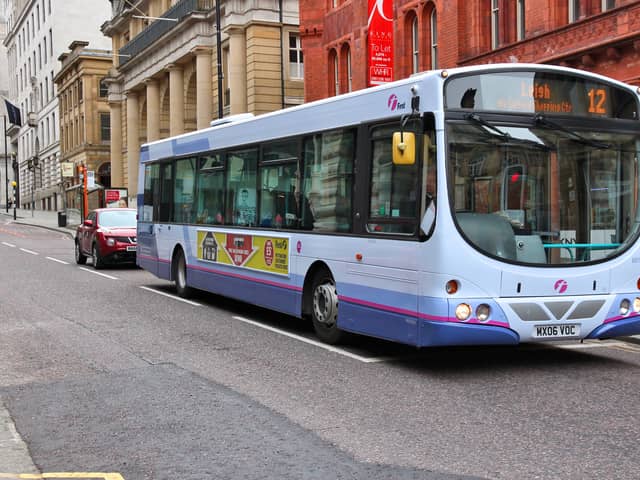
{"x":237,"y":71}
{"x":133,"y":145}
{"x":153,"y":110}
{"x":176,"y":100}
{"x":117,"y":168}
{"x":203,"y":88}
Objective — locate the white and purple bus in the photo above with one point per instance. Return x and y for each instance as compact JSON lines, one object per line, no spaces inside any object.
{"x":473,"y":206}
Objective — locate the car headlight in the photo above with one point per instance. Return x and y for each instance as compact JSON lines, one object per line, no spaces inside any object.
{"x":111,"y":241}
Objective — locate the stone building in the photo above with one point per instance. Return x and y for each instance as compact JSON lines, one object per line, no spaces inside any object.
{"x":601,"y":36}
{"x":174,"y":71}
{"x":85,"y":128}
{"x":38,"y":32}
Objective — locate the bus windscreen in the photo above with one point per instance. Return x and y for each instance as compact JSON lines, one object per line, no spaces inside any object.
{"x":540,"y":92}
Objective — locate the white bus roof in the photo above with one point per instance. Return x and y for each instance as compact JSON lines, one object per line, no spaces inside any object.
{"x":384,"y":101}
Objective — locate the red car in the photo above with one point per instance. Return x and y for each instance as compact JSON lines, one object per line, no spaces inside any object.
{"x":108,"y":235}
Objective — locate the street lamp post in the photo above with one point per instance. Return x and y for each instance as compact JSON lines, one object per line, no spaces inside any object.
{"x":33,"y":165}
{"x":6,"y":166}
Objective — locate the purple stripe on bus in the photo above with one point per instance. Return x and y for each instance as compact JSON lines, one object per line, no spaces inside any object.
{"x":423,"y":316}
{"x":619,"y":317}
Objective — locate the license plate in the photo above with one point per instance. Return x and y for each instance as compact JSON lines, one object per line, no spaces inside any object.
{"x":131,"y":249}
{"x":568,"y":330}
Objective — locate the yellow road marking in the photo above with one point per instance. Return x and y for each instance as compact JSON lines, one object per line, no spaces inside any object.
{"x":85,"y":475}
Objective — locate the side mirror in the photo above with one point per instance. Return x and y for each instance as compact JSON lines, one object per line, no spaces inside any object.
{"x":404,"y":148}
{"x":88,"y":223}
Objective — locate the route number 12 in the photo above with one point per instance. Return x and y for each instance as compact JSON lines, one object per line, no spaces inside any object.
{"x":597,"y":99}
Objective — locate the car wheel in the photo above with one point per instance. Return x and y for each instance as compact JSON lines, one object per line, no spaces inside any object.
{"x":81,"y":259}
{"x":324,"y":309}
{"x":98,"y":262}
{"x":180,"y":275}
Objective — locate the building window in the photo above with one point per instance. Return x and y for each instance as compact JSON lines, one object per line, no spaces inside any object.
{"x":80,"y":94}
{"x":335,"y":72}
{"x":344,"y":69}
{"x":574,"y":10}
{"x":103,"y":89}
{"x":415,"y":50}
{"x":296,"y":64}
{"x":105,"y":127}
{"x":520,"y":26}
{"x":608,"y":5}
{"x":434,"y":39}
{"x":495,"y":24}
{"x":226,"y":99}
{"x":349,"y":72}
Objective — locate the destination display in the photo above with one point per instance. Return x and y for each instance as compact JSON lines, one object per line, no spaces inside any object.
{"x":540,"y":92}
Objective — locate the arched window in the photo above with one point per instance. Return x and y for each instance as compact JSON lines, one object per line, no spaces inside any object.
{"x":415,"y":49}
{"x":574,"y":10}
{"x":433,"y":23}
{"x":345,"y":72}
{"x":520,"y":23}
{"x":334,"y":79}
{"x":495,"y":24}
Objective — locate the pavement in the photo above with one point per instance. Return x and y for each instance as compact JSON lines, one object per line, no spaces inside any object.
{"x":40,"y":218}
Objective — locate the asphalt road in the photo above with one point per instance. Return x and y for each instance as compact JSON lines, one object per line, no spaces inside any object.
{"x":108,"y":372}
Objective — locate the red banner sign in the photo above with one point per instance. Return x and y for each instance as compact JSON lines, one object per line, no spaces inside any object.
{"x":380,"y":42}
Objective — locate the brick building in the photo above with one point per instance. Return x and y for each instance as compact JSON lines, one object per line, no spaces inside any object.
{"x":601,"y":36}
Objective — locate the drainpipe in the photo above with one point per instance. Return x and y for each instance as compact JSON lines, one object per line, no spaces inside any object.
{"x":281,"y":52}
{"x":219,"y":54}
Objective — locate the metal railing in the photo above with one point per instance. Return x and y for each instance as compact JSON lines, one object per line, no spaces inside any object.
{"x":158,"y":28}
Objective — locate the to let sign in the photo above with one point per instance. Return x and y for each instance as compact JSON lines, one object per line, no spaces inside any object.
{"x":380,"y":42}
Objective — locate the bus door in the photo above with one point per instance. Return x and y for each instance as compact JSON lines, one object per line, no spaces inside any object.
{"x":147,"y":256}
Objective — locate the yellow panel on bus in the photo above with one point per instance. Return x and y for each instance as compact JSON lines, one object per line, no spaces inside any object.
{"x":256,"y":252}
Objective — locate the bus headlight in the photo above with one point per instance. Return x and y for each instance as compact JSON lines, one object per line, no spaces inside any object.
{"x":624,"y":307}
{"x":463,"y":312}
{"x":482,"y":312}
{"x":636,"y":305}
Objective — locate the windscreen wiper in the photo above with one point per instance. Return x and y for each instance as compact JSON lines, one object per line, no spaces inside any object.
{"x":543,"y":121}
{"x":491,"y":129}
{"x":475,"y":118}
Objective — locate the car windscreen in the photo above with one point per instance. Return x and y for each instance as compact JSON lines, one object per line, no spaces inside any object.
{"x":117,"y":218}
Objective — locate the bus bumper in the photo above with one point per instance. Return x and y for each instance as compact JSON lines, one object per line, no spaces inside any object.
{"x":436,"y":334}
{"x":619,"y":328}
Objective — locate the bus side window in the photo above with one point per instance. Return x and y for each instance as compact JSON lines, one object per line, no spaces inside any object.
{"x":184,"y":190}
{"x":327,"y":188}
{"x":151,"y":191}
{"x":394,"y":202}
{"x":241,"y":187}
{"x":278,"y":206}
{"x":166,"y":192}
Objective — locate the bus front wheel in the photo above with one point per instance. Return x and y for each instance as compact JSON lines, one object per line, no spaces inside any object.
{"x":180,"y":275}
{"x":324,"y":309}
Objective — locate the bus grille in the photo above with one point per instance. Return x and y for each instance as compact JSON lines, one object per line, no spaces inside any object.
{"x":534,"y":312}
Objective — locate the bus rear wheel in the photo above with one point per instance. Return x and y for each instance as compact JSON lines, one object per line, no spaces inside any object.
{"x":180,"y":275}
{"x":324,"y":309}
